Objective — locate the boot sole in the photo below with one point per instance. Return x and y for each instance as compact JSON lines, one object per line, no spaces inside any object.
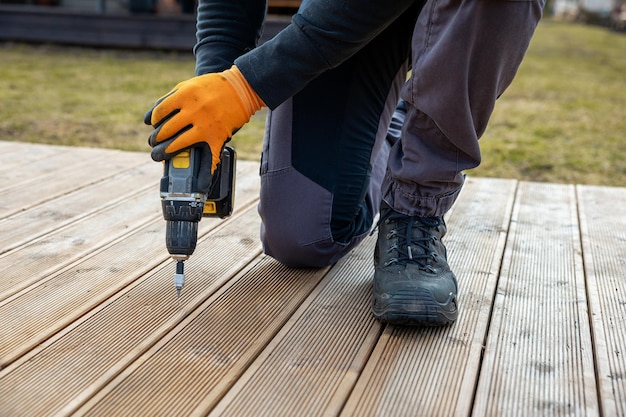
{"x":414,"y":308}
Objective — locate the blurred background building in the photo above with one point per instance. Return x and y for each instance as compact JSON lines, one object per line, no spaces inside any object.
{"x":140,"y":6}
{"x":170,"y":24}
{"x":146,"y":24}
{"x":611,"y":13}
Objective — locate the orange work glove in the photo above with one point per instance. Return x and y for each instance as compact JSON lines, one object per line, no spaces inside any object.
{"x":208,"y":108}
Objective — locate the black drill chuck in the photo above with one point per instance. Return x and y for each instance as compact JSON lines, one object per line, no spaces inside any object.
{"x":181,"y":237}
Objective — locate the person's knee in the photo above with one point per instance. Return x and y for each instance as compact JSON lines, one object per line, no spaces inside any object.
{"x":290,"y":247}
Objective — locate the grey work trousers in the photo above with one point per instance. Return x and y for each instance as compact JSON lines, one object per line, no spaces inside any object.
{"x":335,"y":150}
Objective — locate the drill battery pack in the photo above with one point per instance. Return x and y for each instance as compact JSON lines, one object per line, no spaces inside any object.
{"x":183,"y":205}
{"x":220,"y":201}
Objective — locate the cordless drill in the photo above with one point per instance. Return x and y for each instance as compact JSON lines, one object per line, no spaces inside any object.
{"x":184,"y":204}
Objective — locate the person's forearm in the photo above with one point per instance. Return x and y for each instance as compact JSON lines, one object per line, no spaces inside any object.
{"x":321,"y":36}
{"x":226,"y":29}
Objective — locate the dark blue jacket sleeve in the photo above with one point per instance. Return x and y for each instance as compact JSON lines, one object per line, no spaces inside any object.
{"x":322,"y":35}
{"x":226,"y":29}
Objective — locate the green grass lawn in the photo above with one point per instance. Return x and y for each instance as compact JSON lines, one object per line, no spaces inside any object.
{"x":562,"y":120}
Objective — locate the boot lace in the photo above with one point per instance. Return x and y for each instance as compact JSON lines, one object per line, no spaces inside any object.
{"x":407,"y":247}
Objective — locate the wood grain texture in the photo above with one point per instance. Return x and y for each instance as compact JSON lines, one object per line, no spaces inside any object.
{"x":538,"y":356}
{"x":91,"y":324}
{"x":603,"y":232}
{"x":432,"y":372}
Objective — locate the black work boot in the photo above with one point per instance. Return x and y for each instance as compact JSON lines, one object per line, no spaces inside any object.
{"x":413,"y":283}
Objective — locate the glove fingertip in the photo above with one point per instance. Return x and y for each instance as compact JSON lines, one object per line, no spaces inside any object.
{"x":147,"y":118}
{"x":159,"y":153}
{"x":152,"y":139}
{"x":156,"y":156}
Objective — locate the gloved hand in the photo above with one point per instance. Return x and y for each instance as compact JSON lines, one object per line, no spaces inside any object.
{"x":208,"y":108}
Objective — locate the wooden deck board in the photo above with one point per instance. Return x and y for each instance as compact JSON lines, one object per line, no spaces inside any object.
{"x":37,"y":260}
{"x":394,"y":382}
{"x":92,"y":326}
{"x":59,"y":174}
{"x":116,"y":333}
{"x":603,"y":232}
{"x":311,"y":366}
{"x":212,"y":347}
{"x":43,"y":218}
{"x":539,"y":346}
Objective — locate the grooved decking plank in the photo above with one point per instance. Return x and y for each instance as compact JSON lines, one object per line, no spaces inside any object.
{"x":40,"y":258}
{"x":25,"y":162}
{"x":72,"y":292}
{"x":312,"y":364}
{"x":91,"y":324}
{"x":433,"y":372}
{"x":60,"y":174}
{"x":37,"y":260}
{"x":74,"y":364}
{"x":9,"y":146}
{"x":538,"y":358}
{"x":36,"y":315}
{"x":37,"y":221}
{"x":194,"y":366}
{"x":603,"y":226}
{"x":16,"y":156}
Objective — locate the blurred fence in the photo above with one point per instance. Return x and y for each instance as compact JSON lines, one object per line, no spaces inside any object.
{"x":65,"y":25}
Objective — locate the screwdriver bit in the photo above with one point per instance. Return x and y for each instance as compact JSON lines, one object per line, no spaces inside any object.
{"x":179,"y":277}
